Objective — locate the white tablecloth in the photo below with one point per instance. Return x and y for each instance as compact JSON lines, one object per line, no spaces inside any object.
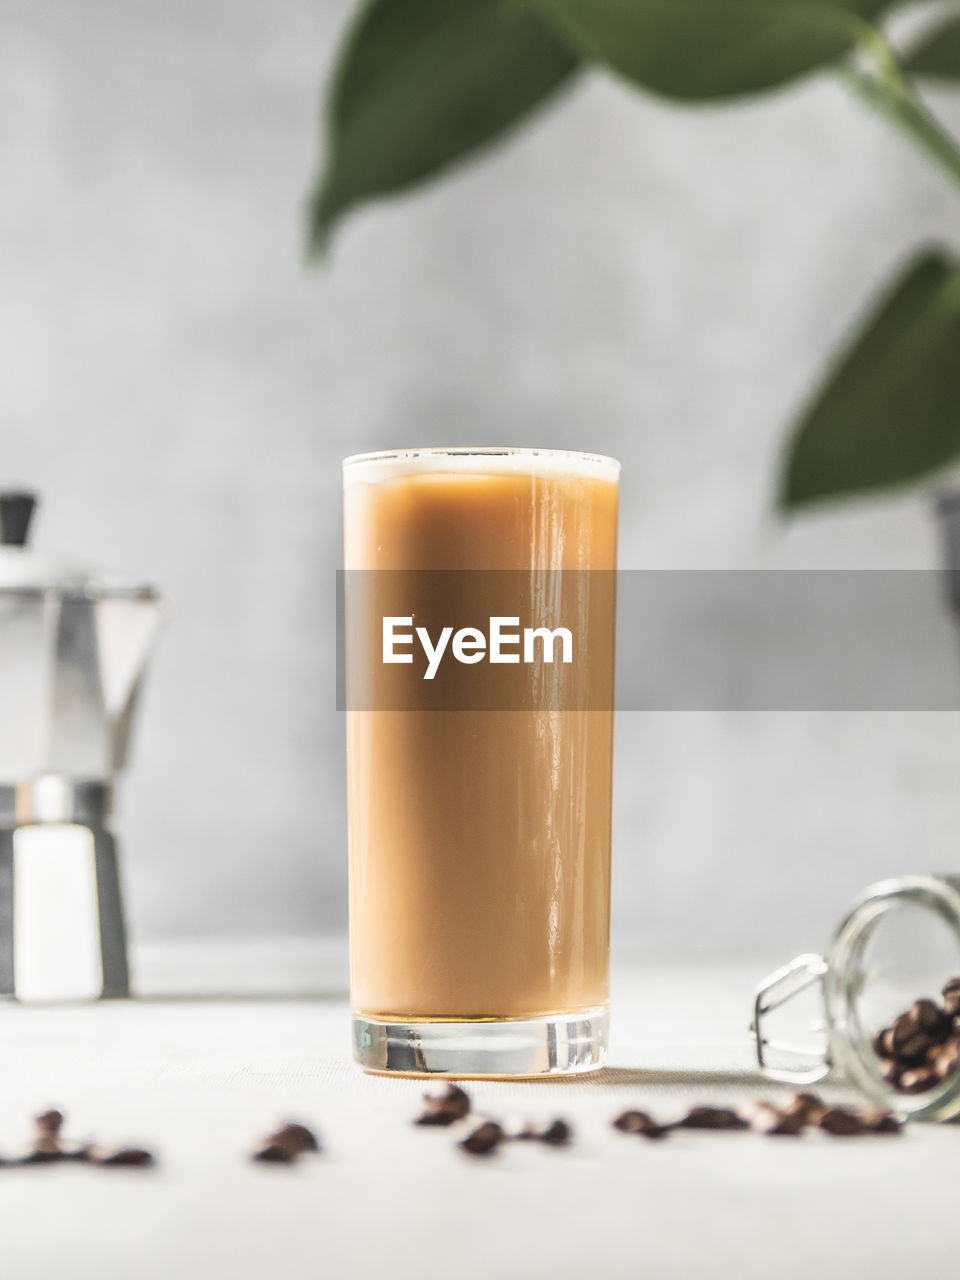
{"x":200,"y":1079}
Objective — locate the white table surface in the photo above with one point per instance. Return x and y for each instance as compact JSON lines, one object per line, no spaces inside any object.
{"x":199,"y":1079}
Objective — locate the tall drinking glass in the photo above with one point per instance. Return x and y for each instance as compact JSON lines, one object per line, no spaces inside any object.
{"x":480,"y":797}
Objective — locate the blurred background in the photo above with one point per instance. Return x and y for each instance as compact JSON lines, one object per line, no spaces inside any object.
{"x":657,"y":283}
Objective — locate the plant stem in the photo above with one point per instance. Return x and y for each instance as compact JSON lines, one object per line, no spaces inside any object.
{"x":889,"y":92}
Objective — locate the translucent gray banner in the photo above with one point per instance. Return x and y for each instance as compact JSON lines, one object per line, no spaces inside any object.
{"x":695,"y":640}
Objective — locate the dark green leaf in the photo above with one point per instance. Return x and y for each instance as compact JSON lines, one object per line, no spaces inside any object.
{"x":421,"y":84}
{"x":890,"y":412}
{"x":702,"y":49}
{"x":938,"y":53}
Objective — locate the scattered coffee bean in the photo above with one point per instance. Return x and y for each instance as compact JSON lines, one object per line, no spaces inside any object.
{"x":76,"y":1151}
{"x":808,"y":1105}
{"x":841,"y":1122}
{"x":274,"y":1153}
{"x":640,"y":1122}
{"x":39,"y":1155}
{"x":296,"y":1138}
{"x":445,"y":1108}
{"x":126,"y":1157}
{"x":777,"y":1122}
{"x":879,"y":1120}
{"x":286,"y":1144}
{"x":557,"y":1134}
{"x":712,"y":1118}
{"x":47,"y":1146}
{"x":49,"y":1123}
{"x":484,"y":1139}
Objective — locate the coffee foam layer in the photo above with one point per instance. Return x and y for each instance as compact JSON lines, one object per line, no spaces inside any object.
{"x":368,"y":468}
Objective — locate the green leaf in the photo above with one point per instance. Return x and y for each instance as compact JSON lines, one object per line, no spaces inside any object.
{"x":890,"y":94}
{"x":938,"y":53}
{"x":419,"y":85}
{"x":703,"y":49}
{"x":890,"y":412}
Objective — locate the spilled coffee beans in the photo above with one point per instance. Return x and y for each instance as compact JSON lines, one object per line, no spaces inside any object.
{"x":921,"y":1048}
{"x":122,"y":1157}
{"x":453,"y":1106}
{"x":711,"y":1118}
{"x":803,"y":1111}
{"x":50,"y":1148}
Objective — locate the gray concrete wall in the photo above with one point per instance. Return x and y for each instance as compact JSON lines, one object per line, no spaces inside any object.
{"x":655,"y":283}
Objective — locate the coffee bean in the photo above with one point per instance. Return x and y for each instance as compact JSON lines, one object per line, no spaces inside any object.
{"x":634,"y":1122}
{"x":917,"y":1080}
{"x":286,"y":1144}
{"x":49,"y":1123}
{"x":46,"y":1147}
{"x":945,"y":1059}
{"x":914,"y":1048}
{"x":640,"y":1122}
{"x":712,"y":1118}
{"x":76,"y":1151}
{"x":883,"y":1043}
{"x":274,"y":1153}
{"x":41,"y":1155}
{"x":904,"y":1027}
{"x":890,"y":1071}
{"x":807,"y":1105}
{"x":927,"y":1015}
{"x":130,"y":1157}
{"x":840,"y":1122}
{"x":946,"y":1028}
{"x":557,"y":1134}
{"x":771,"y":1120}
{"x":445,"y":1108}
{"x":879,"y":1120}
{"x":484,"y":1139}
{"x":951,"y":996}
{"x":297,"y":1138}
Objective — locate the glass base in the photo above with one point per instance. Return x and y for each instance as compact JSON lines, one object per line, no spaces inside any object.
{"x":559,"y":1044}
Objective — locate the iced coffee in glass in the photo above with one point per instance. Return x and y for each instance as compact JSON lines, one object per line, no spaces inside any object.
{"x":479,"y":645}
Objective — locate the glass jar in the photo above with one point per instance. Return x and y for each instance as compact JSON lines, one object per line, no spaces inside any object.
{"x":900,"y":941}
